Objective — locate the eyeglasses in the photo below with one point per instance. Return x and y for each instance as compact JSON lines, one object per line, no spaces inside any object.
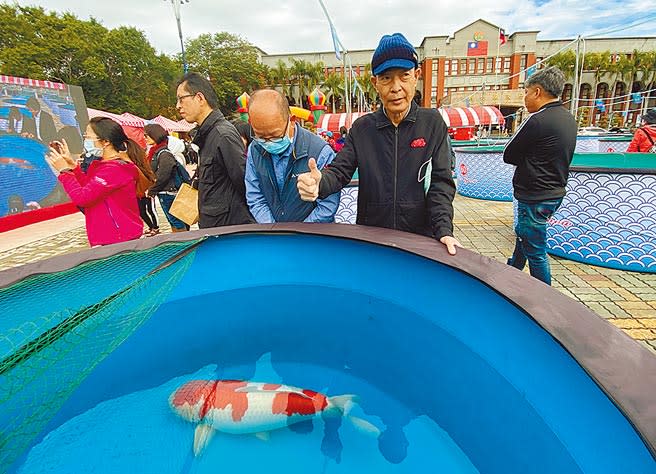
{"x":90,"y":137}
{"x":262,"y":141}
{"x":180,"y":97}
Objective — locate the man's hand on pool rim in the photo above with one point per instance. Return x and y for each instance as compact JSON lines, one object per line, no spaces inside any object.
{"x":451,"y":244}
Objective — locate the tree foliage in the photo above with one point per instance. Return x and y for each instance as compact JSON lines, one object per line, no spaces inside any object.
{"x":117,"y":69}
{"x":230,"y":62}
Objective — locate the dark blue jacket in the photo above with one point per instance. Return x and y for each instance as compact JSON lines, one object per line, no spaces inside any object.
{"x":285,"y":204}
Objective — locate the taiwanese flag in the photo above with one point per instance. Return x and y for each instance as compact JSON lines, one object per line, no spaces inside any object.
{"x":502,"y":37}
{"x":477,"y":48}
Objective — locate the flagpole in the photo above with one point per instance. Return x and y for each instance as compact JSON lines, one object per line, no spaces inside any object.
{"x":496,"y":74}
{"x":337,"y":42}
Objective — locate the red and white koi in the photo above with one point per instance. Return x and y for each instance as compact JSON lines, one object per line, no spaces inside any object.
{"x":240,"y":407}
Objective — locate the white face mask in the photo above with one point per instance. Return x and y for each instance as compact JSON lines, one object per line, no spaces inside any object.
{"x":91,"y":149}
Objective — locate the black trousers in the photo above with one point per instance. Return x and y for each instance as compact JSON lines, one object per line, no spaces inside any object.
{"x":147,"y":213}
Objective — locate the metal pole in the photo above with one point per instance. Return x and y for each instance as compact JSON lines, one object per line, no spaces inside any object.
{"x":573,"y":106}
{"x":176,"y":11}
{"x":347,"y":93}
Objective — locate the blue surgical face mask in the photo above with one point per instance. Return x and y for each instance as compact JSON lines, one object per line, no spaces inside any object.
{"x":277,"y":147}
{"x":91,"y":149}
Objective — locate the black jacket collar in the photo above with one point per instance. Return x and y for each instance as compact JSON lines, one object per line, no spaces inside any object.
{"x":382,"y":120}
{"x":551,"y":104}
{"x":208,"y":124}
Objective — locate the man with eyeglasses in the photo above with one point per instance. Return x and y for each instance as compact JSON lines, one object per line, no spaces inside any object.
{"x":221,"y":164}
{"x":401,"y":151}
{"x":279,"y":152}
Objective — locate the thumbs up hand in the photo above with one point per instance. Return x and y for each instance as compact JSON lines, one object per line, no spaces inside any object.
{"x":308,"y":183}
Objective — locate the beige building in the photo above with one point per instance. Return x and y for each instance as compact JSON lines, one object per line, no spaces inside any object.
{"x":474,"y":66}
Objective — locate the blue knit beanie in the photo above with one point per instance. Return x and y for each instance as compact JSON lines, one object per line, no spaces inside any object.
{"x":393,"y":51}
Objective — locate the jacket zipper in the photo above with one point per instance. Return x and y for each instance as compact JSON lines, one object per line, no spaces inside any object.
{"x":396,"y":167}
{"x":113,"y":220}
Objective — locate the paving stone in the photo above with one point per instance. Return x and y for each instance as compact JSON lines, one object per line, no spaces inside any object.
{"x":615,"y":310}
{"x":641,"y":334}
{"x":627,"y":295}
{"x":642,"y":313}
{"x":599,"y":309}
{"x":583,"y":290}
{"x":628,"y":305}
{"x":649,"y":323}
{"x":586,"y":297}
{"x":629,"y":323}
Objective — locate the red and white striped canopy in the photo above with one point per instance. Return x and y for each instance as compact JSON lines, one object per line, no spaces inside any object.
{"x":172,"y":125}
{"x":453,"y":116}
{"x":22,"y":81}
{"x":471,"y":116}
{"x":333,"y":122}
{"x":125,"y":119}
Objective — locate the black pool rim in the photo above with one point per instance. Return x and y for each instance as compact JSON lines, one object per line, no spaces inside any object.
{"x":621,"y":367}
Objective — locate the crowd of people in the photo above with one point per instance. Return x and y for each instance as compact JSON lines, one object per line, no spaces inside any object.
{"x":273,"y":170}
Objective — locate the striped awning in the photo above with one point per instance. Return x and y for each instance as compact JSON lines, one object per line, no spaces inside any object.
{"x":333,"y":122}
{"x":471,"y":116}
{"x":22,"y":81}
{"x":172,"y":125}
{"x":453,"y":116}
{"x":125,"y":119}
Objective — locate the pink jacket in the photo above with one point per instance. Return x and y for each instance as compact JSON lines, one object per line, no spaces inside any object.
{"x":108,"y":194}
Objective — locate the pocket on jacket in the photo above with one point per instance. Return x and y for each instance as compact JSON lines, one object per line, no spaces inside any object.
{"x":377,"y":214}
{"x":413,"y":216}
{"x":214,"y":209}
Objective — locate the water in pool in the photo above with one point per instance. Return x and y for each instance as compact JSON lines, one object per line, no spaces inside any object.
{"x":140,"y":432}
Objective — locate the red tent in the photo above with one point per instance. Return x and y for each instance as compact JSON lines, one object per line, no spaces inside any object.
{"x":471,"y":116}
{"x":132,"y":125}
{"x":172,"y":125}
{"x":453,"y":116}
{"x":333,"y":122}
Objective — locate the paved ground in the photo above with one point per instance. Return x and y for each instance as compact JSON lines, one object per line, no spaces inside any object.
{"x":626,"y":299}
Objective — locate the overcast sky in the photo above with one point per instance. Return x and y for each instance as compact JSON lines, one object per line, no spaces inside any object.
{"x":286,"y":26}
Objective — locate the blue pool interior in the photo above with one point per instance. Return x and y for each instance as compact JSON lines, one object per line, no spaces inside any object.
{"x":455,"y":377}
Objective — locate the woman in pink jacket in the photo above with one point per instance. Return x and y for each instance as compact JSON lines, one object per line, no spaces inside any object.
{"x":107,"y":191}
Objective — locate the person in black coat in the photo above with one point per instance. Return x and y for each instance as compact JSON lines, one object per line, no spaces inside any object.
{"x":40,"y":125}
{"x":221,"y":162}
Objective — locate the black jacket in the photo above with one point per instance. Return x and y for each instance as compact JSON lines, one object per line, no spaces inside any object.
{"x":542,"y":149}
{"x":221,"y":167}
{"x":164,"y":165}
{"x":391,"y":162}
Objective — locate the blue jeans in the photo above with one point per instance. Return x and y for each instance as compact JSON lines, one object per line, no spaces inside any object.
{"x":166,"y":200}
{"x":531,"y":242}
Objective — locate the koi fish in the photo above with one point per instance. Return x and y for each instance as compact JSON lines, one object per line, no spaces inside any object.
{"x":24,"y":164}
{"x":240,"y":407}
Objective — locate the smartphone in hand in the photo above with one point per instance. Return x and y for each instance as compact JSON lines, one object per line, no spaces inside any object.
{"x":57,"y":146}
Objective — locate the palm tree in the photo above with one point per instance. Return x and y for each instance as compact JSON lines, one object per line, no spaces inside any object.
{"x":334,"y":87}
{"x":367,"y":86}
{"x":279,"y":76}
{"x":315,"y":74}
{"x":299,"y":73}
{"x":626,"y":68}
{"x":565,"y":61}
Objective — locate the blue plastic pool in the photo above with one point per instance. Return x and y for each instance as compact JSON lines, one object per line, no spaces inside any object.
{"x":455,"y":376}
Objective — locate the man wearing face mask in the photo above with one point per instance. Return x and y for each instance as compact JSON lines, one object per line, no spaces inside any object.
{"x":278,"y":154}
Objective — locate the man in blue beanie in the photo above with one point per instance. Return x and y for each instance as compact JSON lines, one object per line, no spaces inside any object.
{"x":402,"y":153}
